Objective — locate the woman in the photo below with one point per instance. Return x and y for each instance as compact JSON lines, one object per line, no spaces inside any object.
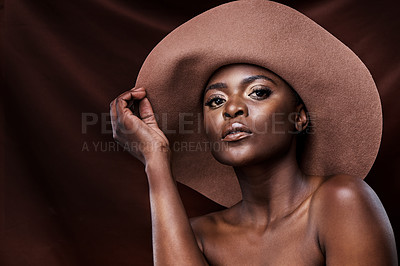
{"x":299,"y":206}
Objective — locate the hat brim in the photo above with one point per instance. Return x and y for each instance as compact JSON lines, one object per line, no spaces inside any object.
{"x":337,"y":88}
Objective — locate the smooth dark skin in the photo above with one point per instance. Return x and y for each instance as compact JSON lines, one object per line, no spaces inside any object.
{"x":285,"y":217}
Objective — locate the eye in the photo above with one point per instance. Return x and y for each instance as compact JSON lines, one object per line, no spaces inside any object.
{"x":260,"y":93}
{"x":215,"y":101}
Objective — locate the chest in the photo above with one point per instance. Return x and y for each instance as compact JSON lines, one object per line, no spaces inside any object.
{"x":290,"y":242}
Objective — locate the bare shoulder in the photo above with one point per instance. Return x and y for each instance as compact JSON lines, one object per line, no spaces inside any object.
{"x":352,"y":224}
{"x":346,"y":192}
{"x":344,"y":198}
{"x":206,"y":225}
{"x":205,"y":222}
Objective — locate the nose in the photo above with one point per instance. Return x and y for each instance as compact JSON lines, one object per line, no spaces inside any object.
{"x":235,"y":107}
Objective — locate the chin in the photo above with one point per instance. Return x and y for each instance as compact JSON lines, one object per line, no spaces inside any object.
{"x":235,"y":157}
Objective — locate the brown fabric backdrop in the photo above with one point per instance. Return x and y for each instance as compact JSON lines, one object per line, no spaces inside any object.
{"x":69,"y":196}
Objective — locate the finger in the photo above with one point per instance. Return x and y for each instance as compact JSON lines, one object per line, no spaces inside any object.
{"x":132,"y":90}
{"x":124,"y":98}
{"x":113,"y":111}
{"x":131,"y":104}
{"x":146,"y":112}
{"x":131,"y":95}
{"x":113,"y":114}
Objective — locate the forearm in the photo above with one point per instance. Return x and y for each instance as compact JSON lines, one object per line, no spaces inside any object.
{"x":174,"y":242}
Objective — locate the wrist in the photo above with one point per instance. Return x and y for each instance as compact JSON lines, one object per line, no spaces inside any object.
{"x":160,"y":160}
{"x":154,"y":152}
{"x":159,"y":173}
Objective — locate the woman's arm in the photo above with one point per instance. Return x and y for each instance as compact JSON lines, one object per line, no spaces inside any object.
{"x":353,"y":228}
{"x":174,"y":242}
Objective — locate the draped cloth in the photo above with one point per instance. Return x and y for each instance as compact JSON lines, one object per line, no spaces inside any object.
{"x":69,"y":194}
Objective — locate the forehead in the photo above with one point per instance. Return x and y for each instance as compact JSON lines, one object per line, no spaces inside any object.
{"x":236,"y":72}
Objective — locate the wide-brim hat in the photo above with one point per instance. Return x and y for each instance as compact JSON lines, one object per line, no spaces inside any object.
{"x":336,"y":87}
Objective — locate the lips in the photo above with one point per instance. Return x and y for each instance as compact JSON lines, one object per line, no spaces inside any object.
{"x":235,"y":132}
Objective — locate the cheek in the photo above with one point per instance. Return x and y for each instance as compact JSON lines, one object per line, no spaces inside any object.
{"x":262,"y":123}
{"x":272,"y":120}
{"x":262,"y":120}
{"x":211,"y":125}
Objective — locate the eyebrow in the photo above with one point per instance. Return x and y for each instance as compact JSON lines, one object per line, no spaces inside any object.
{"x":243,"y":82}
{"x":219,"y":85}
{"x":253,"y":78}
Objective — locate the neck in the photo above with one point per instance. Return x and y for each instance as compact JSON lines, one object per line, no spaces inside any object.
{"x":272,"y":190}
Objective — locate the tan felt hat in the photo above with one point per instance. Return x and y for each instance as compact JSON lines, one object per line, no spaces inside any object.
{"x":336,"y":87}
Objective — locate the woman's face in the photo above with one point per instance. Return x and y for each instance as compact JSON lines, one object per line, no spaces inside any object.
{"x":249,"y":114}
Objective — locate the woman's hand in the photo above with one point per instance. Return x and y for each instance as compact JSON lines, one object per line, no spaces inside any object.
{"x":140,"y":136}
